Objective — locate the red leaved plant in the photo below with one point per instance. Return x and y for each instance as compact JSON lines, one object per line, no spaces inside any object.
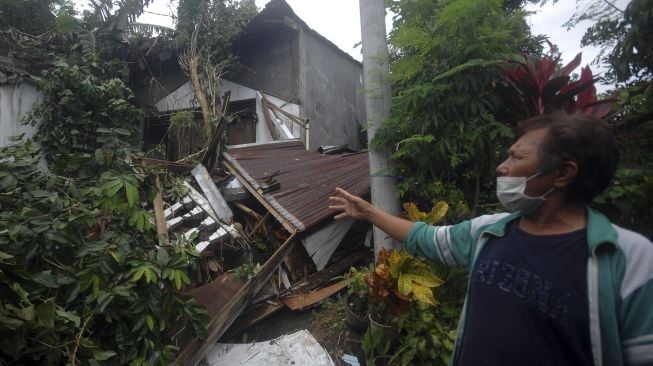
{"x":542,"y":87}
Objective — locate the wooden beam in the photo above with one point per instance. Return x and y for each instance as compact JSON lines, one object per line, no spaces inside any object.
{"x":268,"y":118}
{"x":302,"y":301}
{"x":159,"y":215}
{"x":164,"y":164}
{"x":261,"y":312}
{"x":196,"y":350}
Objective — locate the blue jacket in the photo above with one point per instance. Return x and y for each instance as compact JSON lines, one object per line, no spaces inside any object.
{"x":619,"y":279}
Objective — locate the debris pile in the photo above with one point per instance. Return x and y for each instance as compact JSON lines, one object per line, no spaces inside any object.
{"x":266,"y":235}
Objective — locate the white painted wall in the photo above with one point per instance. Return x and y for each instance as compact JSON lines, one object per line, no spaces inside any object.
{"x":16,"y":100}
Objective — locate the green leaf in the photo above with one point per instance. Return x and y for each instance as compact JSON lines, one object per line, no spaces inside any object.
{"x":26,"y":313}
{"x":67,"y":23}
{"x":5,"y":256}
{"x":132,"y":194}
{"x":177,"y":280}
{"x":69,"y":316}
{"x":103,"y":355}
{"x":95,"y":280}
{"x":112,"y":187}
{"x":162,"y":257}
{"x":149,"y":320}
{"x":46,"y":279}
{"x":45,"y":313}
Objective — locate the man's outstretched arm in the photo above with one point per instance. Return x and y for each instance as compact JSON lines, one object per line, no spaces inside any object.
{"x":347,"y":205}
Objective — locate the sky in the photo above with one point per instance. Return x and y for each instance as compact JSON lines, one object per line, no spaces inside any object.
{"x":339,"y":22}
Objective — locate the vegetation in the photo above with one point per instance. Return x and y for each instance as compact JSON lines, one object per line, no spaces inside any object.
{"x":446,"y":103}
{"x":83,"y":280}
{"x":624,"y":37}
{"x":79,"y":99}
{"x":427,"y":333}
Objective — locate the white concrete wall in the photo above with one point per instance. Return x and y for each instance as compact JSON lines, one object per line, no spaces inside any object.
{"x":16,"y":100}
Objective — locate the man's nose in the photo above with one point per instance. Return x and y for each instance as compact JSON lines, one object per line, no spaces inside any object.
{"x":502,"y":169}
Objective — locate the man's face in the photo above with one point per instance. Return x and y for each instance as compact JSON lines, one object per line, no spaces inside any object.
{"x":524,"y":161}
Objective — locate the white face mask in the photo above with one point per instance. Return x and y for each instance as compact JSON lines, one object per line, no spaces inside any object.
{"x":510,"y":192}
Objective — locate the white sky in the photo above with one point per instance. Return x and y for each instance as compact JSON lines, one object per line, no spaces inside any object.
{"x":339,"y":21}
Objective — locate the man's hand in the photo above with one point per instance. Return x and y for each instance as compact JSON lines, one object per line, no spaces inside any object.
{"x":349,"y":205}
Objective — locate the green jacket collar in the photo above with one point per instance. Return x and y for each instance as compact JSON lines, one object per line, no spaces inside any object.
{"x":599,"y":228}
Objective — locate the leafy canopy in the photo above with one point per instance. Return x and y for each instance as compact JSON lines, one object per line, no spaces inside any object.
{"x":83,"y":280}
{"x":446,"y":111}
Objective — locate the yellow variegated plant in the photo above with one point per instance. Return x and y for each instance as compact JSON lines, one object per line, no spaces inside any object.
{"x":437,"y":213}
{"x":398,"y":280}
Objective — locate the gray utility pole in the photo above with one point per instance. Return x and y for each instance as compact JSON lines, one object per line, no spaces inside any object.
{"x":377,"y":107}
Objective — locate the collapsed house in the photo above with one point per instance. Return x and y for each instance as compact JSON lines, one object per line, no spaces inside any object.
{"x":295,"y":92}
{"x":286,"y":69}
{"x":284,"y":203}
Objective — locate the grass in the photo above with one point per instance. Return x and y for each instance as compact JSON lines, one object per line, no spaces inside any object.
{"x":329,"y":328}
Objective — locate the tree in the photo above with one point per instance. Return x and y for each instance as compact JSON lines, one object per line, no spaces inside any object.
{"x":34,"y":17}
{"x":206,"y":29}
{"x":446,"y":123}
{"x":626,"y":39}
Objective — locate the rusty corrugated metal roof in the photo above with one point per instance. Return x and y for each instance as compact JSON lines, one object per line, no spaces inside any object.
{"x":306,"y":179}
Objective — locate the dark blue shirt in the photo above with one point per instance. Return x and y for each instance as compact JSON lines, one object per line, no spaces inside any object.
{"x":528,"y":302}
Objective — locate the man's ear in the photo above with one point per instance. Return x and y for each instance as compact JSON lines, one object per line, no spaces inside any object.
{"x":567,"y":172}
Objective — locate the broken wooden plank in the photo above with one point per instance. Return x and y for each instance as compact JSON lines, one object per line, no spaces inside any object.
{"x":249,"y":211}
{"x":302,"y":301}
{"x":213,"y":296}
{"x":159,"y":214}
{"x":326,"y":275}
{"x":193,"y":353}
{"x":260,"y":312}
{"x":268,"y":118}
{"x":212,"y":194}
{"x":165,"y":164}
{"x":210,"y":157}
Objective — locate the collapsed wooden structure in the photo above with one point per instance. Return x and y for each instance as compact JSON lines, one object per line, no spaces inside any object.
{"x":288,"y":187}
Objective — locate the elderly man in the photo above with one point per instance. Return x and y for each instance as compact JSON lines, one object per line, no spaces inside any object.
{"x":553,"y":282}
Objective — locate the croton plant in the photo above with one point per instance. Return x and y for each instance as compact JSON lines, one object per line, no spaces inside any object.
{"x":542,"y":87}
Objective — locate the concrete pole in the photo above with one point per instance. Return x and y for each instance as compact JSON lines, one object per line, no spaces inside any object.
{"x":377,"y":108}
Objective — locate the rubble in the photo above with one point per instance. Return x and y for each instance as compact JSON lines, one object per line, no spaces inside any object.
{"x":280,"y":226}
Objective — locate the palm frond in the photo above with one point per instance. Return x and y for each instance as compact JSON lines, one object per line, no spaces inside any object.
{"x":149,"y":29}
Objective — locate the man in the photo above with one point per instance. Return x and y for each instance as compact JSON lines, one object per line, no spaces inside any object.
{"x":554,"y":282}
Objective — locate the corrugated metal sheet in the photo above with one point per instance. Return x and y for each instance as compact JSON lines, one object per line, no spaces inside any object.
{"x":306,"y":179}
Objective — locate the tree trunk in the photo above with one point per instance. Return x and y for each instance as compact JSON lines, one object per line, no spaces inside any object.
{"x":377,"y":108}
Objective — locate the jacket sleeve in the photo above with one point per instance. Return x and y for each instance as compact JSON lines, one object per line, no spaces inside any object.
{"x":636,"y":309}
{"x":449,"y":245}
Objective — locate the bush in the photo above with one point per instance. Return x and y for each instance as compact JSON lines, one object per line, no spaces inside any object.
{"x":82,"y":278}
